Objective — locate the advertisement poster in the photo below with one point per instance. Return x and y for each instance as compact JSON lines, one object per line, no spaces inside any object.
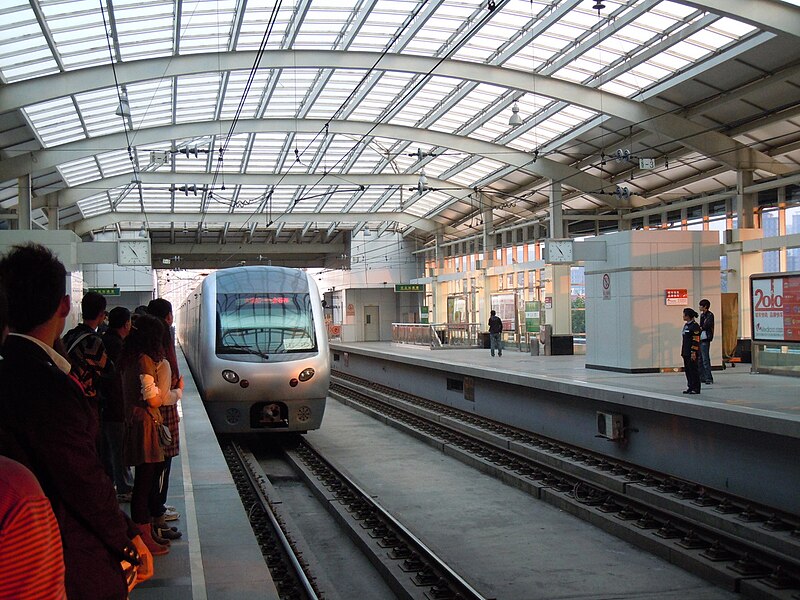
{"x":776,"y":307}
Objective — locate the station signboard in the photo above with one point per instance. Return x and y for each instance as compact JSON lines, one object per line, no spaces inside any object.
{"x":105,"y":291}
{"x":775,"y":312}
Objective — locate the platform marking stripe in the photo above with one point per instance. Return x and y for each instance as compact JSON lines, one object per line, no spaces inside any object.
{"x":199,"y":591}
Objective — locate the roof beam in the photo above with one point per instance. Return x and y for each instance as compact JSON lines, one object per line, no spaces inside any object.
{"x":241,"y":219}
{"x":73,"y":195}
{"x":31,"y":162}
{"x":710,"y":143}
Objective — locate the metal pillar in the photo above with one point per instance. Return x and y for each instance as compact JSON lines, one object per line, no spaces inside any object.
{"x":52,"y":211}
{"x":556,"y":211}
{"x":24,"y":205}
{"x":744,"y":202}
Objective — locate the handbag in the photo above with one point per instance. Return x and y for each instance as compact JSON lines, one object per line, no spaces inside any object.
{"x":164,"y":434}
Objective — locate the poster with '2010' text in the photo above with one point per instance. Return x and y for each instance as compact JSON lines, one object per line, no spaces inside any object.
{"x":775,"y":307}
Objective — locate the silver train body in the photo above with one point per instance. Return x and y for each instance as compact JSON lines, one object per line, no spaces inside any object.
{"x":256,"y":342}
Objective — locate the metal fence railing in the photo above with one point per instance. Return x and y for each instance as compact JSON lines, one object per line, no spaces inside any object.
{"x":438,"y":335}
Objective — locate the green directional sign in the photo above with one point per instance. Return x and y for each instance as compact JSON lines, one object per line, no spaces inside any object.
{"x":107,"y":291}
{"x":409,"y":287}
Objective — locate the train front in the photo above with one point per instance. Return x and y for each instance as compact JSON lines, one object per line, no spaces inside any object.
{"x":271,"y":362}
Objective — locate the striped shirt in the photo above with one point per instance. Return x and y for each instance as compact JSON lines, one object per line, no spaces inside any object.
{"x":31,"y":558}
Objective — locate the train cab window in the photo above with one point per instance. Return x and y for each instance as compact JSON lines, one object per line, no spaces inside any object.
{"x":265,"y":325}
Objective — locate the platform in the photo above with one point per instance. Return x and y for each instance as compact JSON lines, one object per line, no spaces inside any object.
{"x":739,"y":435}
{"x":218,"y":557}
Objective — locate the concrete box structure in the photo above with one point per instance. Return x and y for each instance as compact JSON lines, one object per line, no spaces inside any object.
{"x":629,"y":325}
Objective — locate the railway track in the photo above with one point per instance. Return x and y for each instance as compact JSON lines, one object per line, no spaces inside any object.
{"x":410,"y":569}
{"x":740,"y":546}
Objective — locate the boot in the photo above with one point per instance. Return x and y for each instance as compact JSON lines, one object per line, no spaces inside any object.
{"x":147,"y":538}
{"x":157,"y":538}
{"x":162,"y":529}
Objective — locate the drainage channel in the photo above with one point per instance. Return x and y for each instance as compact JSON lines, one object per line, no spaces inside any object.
{"x":742,"y":547}
{"x":287,"y":568}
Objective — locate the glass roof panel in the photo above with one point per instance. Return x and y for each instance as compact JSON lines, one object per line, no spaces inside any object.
{"x":145,"y":29}
{"x":56,"y":122}
{"x":80,"y":171}
{"x":96,"y":204}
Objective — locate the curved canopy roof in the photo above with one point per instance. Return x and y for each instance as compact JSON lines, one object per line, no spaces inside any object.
{"x":250,"y":121}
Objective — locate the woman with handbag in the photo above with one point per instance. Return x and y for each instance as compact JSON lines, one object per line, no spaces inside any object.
{"x":144,"y":429}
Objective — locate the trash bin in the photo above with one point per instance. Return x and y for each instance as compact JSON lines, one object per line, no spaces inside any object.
{"x":485,"y":342}
{"x":561,"y":345}
{"x":533,"y":342}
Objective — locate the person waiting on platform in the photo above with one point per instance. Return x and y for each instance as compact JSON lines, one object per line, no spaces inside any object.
{"x":706,"y":335}
{"x":143,"y":448}
{"x":690,"y":350}
{"x":87,"y":355}
{"x":113,"y":425}
{"x":162,"y":309}
{"x":495,"y":334}
{"x":54,"y":429}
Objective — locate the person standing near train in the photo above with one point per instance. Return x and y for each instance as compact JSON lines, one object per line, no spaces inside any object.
{"x":706,"y":335}
{"x":54,"y":428}
{"x":690,"y":350}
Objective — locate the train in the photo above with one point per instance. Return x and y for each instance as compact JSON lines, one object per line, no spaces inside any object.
{"x":256,"y":343}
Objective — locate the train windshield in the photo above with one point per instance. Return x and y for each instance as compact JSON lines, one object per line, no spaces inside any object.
{"x":265,"y":324}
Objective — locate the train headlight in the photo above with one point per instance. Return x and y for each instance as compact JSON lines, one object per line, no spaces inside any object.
{"x":306,"y":374}
{"x":230,"y":376}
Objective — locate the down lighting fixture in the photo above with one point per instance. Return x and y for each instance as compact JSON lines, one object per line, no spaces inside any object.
{"x":515,"y":119}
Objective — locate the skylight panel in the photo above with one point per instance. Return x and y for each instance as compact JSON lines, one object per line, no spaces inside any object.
{"x":439,"y":165}
{"x":205,"y":26}
{"x":674,"y":9}
{"x":731,"y":28}
{"x":21,"y":36}
{"x":197,"y":97}
{"x":428,"y":203}
{"x":234,"y":152}
{"x":79,"y":171}
{"x":55,"y":122}
{"x":709,"y":39}
{"x":254,"y":24}
{"x":620,"y":88}
{"x":423,"y":47}
{"x":94,"y":205}
{"x":688,"y":50}
{"x":265,"y":153}
{"x":144,"y":31}
{"x":338,"y":87}
{"x":235,"y":89}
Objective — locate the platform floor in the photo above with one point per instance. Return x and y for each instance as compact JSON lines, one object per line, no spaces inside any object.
{"x":218,"y":557}
{"x":733,"y":387}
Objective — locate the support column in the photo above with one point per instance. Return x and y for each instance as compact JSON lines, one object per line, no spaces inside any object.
{"x":434,"y":314}
{"x":559,"y":315}
{"x":556,"y":211}
{"x":24,"y":205}
{"x":744,"y":203}
{"x":488,"y":261}
{"x":782,"y":254}
{"x":51,"y":200}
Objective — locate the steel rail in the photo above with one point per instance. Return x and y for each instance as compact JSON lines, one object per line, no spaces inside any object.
{"x":247,"y":461}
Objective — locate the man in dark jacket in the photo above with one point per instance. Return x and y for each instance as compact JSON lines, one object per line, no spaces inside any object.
{"x":113,"y":424}
{"x":706,"y":335}
{"x":495,"y":331}
{"x":54,"y":428}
